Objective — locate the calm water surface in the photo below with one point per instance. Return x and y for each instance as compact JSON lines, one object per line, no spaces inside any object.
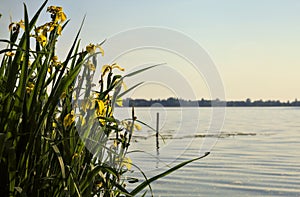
{"x":257,"y":152}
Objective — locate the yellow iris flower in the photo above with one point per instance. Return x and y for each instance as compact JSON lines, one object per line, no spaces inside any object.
{"x":42,"y":39}
{"x":127,"y":162}
{"x":91,"y":48}
{"x":91,"y":66}
{"x":29,"y":87}
{"x":9,"y":53}
{"x":128,"y":125}
{"x":119,"y":102}
{"x":69,"y":119}
{"x":82,"y":119}
{"x":52,"y":26}
{"x":58,"y":17}
{"x":75,"y":156}
{"x":15,"y":26}
{"x":137,"y":126}
{"x":54,"y":63}
{"x":57,"y":14}
{"x":54,"y":58}
{"x":107,"y":68}
{"x":102,"y":110}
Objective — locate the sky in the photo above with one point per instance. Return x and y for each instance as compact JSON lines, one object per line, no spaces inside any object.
{"x":254,"y":44}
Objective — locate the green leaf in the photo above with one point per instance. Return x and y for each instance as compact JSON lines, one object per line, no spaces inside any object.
{"x":61,"y":161}
{"x":93,"y":173}
{"x":2,"y":144}
{"x":131,"y":88}
{"x":140,"y":187}
{"x":21,"y":90}
{"x":62,"y":82}
{"x":141,"y":70}
{"x":12,"y":165}
{"x":144,"y":194}
{"x":13,"y":70}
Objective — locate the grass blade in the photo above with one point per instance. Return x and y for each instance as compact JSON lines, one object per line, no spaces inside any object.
{"x":131,"y":88}
{"x":141,"y":70}
{"x":140,"y":187}
{"x":61,"y":162}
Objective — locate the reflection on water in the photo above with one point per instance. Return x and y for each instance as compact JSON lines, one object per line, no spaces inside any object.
{"x":257,"y":153}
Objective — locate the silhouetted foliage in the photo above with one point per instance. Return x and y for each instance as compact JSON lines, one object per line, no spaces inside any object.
{"x":175,"y":102}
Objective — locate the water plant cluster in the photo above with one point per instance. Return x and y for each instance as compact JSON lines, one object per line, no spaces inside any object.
{"x":45,"y":101}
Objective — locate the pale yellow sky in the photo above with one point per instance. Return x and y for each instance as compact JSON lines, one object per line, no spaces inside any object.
{"x":254,"y":44}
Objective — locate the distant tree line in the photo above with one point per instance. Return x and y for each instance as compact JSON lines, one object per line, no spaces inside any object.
{"x":175,"y":102}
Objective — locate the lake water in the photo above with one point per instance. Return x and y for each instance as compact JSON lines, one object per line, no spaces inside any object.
{"x":257,"y":151}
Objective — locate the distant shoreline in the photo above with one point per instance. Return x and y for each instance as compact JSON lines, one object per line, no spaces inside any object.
{"x":213,"y":106}
{"x":175,"y":102}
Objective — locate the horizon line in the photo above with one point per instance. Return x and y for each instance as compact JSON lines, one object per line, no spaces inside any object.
{"x":216,"y":99}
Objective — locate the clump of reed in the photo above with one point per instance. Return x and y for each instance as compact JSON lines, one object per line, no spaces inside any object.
{"x":45,"y":102}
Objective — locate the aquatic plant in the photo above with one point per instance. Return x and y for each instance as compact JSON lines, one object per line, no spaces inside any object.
{"x":42,"y":108}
